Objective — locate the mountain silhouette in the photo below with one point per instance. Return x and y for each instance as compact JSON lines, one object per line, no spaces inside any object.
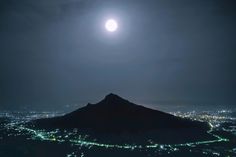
{"x":114,"y":114}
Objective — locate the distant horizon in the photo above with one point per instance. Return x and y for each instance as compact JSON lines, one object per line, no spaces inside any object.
{"x":157,"y":105}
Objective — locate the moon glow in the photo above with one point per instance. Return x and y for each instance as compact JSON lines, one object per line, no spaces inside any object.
{"x":111,"y":25}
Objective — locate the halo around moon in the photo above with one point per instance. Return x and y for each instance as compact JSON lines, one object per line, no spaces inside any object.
{"x":111,"y":25}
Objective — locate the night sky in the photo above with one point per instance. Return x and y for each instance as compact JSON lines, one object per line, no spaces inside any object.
{"x":57,"y":52}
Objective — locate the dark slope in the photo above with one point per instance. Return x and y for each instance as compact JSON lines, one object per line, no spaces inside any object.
{"x":115,"y":115}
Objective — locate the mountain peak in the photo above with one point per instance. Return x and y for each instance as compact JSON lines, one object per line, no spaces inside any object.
{"x":112,"y":96}
{"x":113,"y":99}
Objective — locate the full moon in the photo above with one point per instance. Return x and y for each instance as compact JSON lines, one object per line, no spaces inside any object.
{"x":111,"y":25}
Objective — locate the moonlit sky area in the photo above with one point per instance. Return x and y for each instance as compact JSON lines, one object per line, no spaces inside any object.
{"x":58,"y":52}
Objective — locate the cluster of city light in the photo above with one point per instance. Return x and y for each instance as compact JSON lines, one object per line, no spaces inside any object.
{"x":215,"y":118}
{"x":73,"y":154}
{"x":77,"y":139}
{"x":82,"y":141}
